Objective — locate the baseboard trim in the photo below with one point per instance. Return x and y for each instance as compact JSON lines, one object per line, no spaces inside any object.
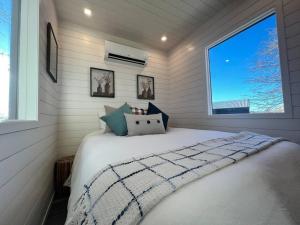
{"x":48,"y":209}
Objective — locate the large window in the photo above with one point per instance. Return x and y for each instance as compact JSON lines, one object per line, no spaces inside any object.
{"x":6,"y":55}
{"x":19,"y":43}
{"x":244,"y":71}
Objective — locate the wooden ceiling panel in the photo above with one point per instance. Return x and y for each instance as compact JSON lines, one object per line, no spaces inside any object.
{"x":143,"y":21}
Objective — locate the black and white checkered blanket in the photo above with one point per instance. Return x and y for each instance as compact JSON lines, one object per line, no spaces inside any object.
{"x":122,"y":193}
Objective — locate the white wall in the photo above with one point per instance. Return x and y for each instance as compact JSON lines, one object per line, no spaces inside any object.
{"x":27,"y":157}
{"x":188,"y":79}
{"x":82,"y":48}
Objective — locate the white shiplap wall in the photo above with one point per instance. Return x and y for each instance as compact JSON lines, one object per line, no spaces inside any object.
{"x":27,"y":157}
{"x":82,"y":48}
{"x":188,"y":78}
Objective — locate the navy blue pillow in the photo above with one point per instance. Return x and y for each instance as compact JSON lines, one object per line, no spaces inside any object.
{"x":152,"y":109}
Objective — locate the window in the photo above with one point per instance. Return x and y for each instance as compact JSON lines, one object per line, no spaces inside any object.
{"x":244,"y":71}
{"x":6,"y":58}
{"x":18,"y":60}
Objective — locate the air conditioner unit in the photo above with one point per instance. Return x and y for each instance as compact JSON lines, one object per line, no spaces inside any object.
{"x":125,"y":54}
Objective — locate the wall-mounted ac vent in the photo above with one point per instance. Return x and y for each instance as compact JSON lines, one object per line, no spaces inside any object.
{"x":125,"y":54}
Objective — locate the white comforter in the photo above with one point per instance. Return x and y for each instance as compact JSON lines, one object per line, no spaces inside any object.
{"x":261,"y":190}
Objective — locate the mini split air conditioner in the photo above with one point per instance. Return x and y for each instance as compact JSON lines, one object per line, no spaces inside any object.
{"x":125,"y":54}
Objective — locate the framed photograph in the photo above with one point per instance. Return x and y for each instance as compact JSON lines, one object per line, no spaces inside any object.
{"x":145,"y":87}
{"x":102,"y":83}
{"x":52,"y":53}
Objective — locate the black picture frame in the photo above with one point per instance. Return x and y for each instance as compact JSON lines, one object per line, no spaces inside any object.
{"x":100,"y":83}
{"x":147,"y":92}
{"x":52,"y":57}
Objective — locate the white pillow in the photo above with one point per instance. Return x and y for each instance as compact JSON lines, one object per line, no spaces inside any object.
{"x":144,"y":124}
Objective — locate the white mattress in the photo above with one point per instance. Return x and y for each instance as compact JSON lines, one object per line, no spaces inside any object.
{"x":263,"y":189}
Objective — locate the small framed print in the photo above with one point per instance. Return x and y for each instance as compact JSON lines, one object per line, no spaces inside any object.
{"x":102,"y":83}
{"x":145,"y":87}
{"x":52,"y":53}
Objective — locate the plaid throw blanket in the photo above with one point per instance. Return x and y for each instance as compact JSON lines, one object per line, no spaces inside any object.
{"x":122,"y":193}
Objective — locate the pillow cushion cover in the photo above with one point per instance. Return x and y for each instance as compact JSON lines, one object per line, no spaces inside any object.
{"x":138,"y":111}
{"x":144,"y":124}
{"x":116,"y":120}
{"x":108,"y":110}
{"x":152,"y":109}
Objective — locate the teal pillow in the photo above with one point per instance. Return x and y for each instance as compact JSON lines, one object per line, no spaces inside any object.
{"x":116,"y":120}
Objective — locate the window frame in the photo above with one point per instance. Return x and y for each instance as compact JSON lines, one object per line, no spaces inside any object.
{"x":25,"y":70}
{"x":259,"y":16}
{"x":14,"y":61}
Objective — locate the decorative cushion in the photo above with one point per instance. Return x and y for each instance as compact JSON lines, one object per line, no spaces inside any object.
{"x":138,"y":111}
{"x":108,"y":110}
{"x":116,"y":120}
{"x":152,"y":109}
{"x":144,"y":124}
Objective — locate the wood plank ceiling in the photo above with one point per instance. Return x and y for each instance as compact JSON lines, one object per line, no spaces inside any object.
{"x":143,"y":21}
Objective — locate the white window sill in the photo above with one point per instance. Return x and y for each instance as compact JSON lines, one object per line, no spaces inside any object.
{"x":252,"y":116}
{"x":12,"y":126}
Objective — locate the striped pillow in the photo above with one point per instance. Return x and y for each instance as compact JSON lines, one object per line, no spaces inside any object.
{"x":138,"y":111}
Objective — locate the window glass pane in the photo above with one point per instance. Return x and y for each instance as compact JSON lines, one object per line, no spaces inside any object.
{"x":245,"y":71}
{"x":5,"y":45}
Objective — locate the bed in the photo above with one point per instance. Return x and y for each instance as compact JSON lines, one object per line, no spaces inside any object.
{"x":263,"y":189}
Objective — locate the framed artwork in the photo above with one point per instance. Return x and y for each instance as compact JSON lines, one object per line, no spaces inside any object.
{"x":102,"y":83}
{"x":52,"y":53}
{"x":145,"y":87}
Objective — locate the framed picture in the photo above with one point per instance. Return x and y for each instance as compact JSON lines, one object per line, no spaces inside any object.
{"x":145,"y":87}
{"x":52,"y":53}
{"x":102,"y":83}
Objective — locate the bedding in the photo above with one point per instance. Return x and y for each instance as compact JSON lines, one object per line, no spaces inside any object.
{"x":230,"y":195}
{"x":152,"y":109}
{"x":144,"y":124}
{"x":116,"y":120}
{"x":138,"y":111}
{"x":108,"y":109}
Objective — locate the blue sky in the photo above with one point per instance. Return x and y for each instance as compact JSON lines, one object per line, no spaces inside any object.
{"x":230,"y":61}
{"x":5,"y":28}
